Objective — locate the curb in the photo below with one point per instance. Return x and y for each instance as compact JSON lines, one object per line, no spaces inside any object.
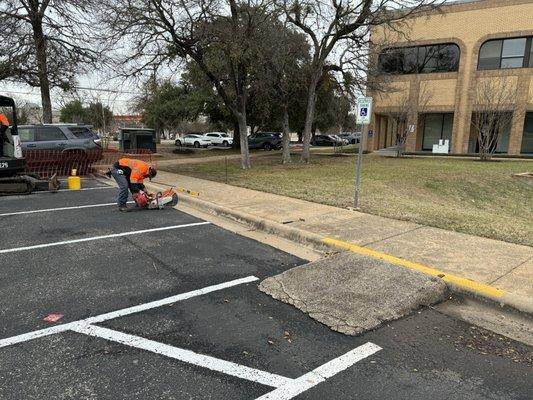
{"x":456,"y":283}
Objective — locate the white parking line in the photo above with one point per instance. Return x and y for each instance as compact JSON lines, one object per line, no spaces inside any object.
{"x":200,"y":360}
{"x":79,"y":190}
{"x":93,"y":238}
{"x":121,"y":313}
{"x":169,"y":300}
{"x":44,"y":210}
{"x":286,"y":388}
{"x":321,"y":374}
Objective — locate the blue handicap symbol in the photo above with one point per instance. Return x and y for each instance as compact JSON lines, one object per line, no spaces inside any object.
{"x":363,"y":112}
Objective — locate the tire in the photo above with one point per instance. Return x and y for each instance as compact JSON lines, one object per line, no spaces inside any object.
{"x":225,"y":143}
{"x":267,"y":147}
{"x":178,"y":143}
{"x":196,"y":145}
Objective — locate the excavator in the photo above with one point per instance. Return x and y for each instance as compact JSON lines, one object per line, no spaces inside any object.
{"x":13,"y":179}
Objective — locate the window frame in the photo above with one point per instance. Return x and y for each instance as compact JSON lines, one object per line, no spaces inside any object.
{"x":52,"y":129}
{"x":31,"y":131}
{"x":86,"y":133}
{"x":442,"y":124}
{"x":527,"y":57}
{"x":400,"y":64}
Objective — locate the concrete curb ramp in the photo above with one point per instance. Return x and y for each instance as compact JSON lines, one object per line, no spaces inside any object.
{"x":454,"y":282}
{"x":353,"y":294}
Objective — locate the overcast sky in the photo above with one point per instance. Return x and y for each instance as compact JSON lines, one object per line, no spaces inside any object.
{"x":114,"y":94}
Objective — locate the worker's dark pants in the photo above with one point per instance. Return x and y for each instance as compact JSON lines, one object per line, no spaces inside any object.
{"x":123,"y":186}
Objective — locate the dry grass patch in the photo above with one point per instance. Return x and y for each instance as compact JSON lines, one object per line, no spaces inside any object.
{"x":479,"y":198}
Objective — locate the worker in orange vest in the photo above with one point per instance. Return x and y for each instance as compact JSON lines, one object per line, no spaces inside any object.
{"x":4,"y":125}
{"x":130,"y":175}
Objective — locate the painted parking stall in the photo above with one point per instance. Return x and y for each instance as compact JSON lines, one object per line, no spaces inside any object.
{"x":161,"y":304}
{"x":59,"y":218}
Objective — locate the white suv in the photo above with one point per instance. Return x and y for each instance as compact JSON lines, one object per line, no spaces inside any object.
{"x":219,"y":139}
{"x":195,"y":140}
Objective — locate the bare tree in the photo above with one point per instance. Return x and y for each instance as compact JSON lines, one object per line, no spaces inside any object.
{"x":328,"y":23}
{"x":403,"y":115}
{"x":207,"y":32}
{"x":44,"y":44}
{"x":492,"y":113}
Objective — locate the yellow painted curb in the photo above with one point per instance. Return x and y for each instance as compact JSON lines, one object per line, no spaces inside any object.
{"x":468,"y":284}
{"x":190,"y":192}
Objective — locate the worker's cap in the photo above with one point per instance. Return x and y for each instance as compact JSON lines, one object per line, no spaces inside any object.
{"x":152,"y":173}
{"x":3,"y":120}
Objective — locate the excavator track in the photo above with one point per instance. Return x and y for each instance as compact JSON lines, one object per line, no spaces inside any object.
{"x":26,"y":184}
{"x":16,"y":185}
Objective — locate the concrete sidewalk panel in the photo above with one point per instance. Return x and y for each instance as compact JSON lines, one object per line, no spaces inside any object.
{"x":477,"y":258}
{"x":354,"y":227}
{"x":516,"y":278}
{"x":352,"y":294}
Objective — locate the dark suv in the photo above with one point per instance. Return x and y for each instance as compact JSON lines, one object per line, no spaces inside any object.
{"x":60,"y":144}
{"x":265,"y":140}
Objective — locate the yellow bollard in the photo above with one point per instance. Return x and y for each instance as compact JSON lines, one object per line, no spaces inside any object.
{"x":74,"y":181}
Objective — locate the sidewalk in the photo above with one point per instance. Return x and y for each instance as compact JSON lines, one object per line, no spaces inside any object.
{"x":499,"y":264}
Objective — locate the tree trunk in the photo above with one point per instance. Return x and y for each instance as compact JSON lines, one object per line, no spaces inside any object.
{"x":286,"y":158}
{"x":310,"y":115}
{"x":42,"y":65}
{"x":236,"y":136}
{"x":243,"y":130}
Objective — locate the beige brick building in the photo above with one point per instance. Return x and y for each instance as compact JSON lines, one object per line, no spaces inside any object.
{"x":436,"y":73}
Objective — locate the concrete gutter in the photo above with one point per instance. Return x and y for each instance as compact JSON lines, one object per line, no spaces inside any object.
{"x":456,"y":283}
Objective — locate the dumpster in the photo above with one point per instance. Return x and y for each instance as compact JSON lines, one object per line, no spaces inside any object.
{"x":137,"y":139}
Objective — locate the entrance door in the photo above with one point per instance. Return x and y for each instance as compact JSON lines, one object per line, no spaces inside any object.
{"x":436,"y":127}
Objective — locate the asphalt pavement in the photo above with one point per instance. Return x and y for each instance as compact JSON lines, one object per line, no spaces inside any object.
{"x":163,"y":305}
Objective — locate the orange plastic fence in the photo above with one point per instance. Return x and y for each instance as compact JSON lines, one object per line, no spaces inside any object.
{"x":46,"y":163}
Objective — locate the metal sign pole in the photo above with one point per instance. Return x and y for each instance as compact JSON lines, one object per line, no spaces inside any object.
{"x":358,"y":171}
{"x":364,"y":115}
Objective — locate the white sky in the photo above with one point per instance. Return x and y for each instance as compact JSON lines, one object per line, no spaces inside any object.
{"x":116,"y":95}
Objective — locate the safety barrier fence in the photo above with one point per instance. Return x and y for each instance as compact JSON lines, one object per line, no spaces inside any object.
{"x":46,"y":163}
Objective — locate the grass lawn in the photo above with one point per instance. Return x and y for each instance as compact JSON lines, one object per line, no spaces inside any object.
{"x":457,"y":194}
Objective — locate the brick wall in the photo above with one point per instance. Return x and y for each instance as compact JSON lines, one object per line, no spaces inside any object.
{"x":469,"y":26}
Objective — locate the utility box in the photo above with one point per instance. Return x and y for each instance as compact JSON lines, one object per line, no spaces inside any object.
{"x":137,"y":139}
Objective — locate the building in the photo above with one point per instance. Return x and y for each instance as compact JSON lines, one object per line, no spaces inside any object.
{"x":437,"y":71}
{"x":127,"y":121}
{"x":32,"y":113}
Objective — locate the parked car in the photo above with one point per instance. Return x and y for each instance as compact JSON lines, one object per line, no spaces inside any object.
{"x":265,"y":140}
{"x":193,"y":139}
{"x":219,"y":139}
{"x":60,"y":145}
{"x":351,"y":137}
{"x":342,"y":141}
{"x":64,"y":137}
{"x":327,"y":140}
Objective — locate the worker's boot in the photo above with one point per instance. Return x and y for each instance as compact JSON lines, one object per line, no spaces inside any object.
{"x":123,"y":209}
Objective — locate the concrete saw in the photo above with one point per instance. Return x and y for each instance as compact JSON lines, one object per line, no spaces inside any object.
{"x":158,"y":201}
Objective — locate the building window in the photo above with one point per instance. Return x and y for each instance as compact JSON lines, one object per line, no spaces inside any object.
{"x":420,"y":59}
{"x":506,"y":53}
{"x":496,"y":131}
{"x":437,"y":127}
{"x":527,"y":139}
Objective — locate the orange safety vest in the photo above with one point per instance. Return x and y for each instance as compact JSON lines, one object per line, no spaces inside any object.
{"x":3,"y":120}
{"x":139,"y":169}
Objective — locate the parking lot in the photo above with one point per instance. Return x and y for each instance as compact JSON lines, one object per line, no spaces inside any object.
{"x":98,"y":304}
